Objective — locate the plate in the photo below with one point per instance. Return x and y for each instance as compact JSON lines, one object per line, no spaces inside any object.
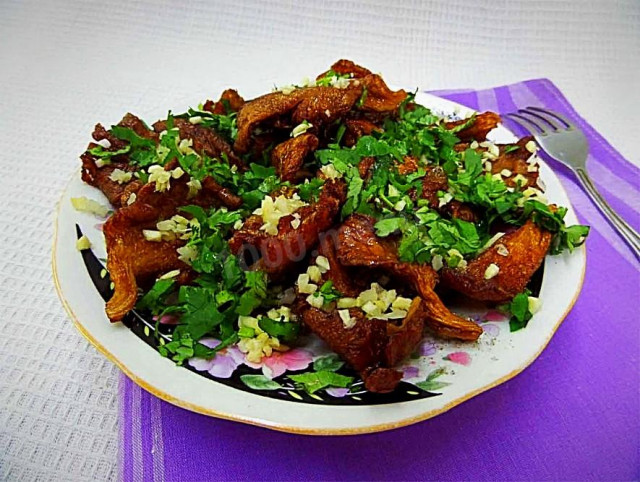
{"x":437,"y":377}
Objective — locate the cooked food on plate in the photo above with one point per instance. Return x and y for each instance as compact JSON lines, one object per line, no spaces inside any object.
{"x":338,"y":207}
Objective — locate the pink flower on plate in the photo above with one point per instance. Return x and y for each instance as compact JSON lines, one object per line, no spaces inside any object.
{"x":494,"y":315}
{"x":459,"y":357}
{"x":410,"y":371}
{"x":279,"y":362}
{"x":168,"y":320}
{"x":491,"y":329}
{"x":426,"y":348}
{"x":337,"y":392}
{"x":223,"y":364}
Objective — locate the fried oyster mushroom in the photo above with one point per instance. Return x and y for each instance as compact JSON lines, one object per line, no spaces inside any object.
{"x":289,"y":156}
{"x":133,"y":259}
{"x":100,"y":175}
{"x":319,"y":106}
{"x":277,"y":253}
{"x":371,"y":346}
{"x":503,"y":270}
{"x":358,"y":245}
{"x":478,"y":130}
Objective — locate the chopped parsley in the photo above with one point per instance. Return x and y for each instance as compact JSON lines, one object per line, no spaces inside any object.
{"x":328,"y":292}
{"x":400,"y":154}
{"x":284,"y":330}
{"x":519,"y":309}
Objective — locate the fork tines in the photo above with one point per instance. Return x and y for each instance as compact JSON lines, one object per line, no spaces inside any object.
{"x":542,"y":121}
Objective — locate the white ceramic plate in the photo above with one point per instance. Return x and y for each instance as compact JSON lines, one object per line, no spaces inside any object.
{"x":448,"y":372}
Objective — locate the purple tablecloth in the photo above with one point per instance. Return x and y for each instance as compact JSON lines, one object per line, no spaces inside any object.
{"x":574,"y":414}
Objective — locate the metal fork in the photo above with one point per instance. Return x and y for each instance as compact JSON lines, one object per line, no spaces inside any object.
{"x":566,"y":143}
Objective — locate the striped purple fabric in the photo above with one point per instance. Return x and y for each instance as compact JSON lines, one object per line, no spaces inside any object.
{"x":573,"y":415}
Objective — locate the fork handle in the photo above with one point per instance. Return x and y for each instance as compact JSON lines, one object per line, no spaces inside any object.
{"x":624,"y":230}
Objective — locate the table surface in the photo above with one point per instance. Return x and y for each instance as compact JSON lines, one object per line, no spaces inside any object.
{"x":69,"y":64}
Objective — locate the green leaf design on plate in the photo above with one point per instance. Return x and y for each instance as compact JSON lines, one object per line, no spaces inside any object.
{"x":314,"y":381}
{"x":259,"y":382}
{"x":429,"y":386}
{"x":329,"y":363}
{"x":435,"y":373}
{"x":431,"y":383}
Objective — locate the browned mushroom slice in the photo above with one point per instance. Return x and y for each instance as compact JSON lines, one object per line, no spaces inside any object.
{"x":358,"y":245}
{"x":356,"y":128}
{"x":344,"y":281}
{"x":347,"y":67}
{"x":516,"y":256}
{"x":277,"y":253}
{"x":317,"y":105}
{"x":323,"y":105}
{"x":205,"y":140}
{"x":479,"y":129}
{"x":100,"y":175}
{"x":371,"y":346}
{"x":131,"y":258}
{"x":288,"y":157}
{"x":138,"y":126}
{"x":229,"y":100}
{"x":379,"y":97}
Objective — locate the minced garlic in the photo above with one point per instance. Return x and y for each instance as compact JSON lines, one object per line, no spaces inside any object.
{"x":436,"y":262}
{"x":531,"y":146}
{"x":502,"y":250}
{"x":304,"y":284}
{"x":151,"y":235}
{"x":187,"y":254}
{"x":161,"y":177}
{"x":271,"y":210}
{"x":377,"y":302}
{"x":315,"y":301}
{"x":87,"y":205}
{"x":347,"y":320}
{"x":258,"y":346}
{"x":491,"y":271}
{"x":176,"y":227}
{"x":170,"y":274}
{"x":285,"y":89}
{"x":301,"y":128}
{"x":323,"y":263}
{"x":194,"y":187}
{"x":314,"y":274}
{"x":330,"y":172}
{"x":520,"y":180}
{"x":120,"y":176}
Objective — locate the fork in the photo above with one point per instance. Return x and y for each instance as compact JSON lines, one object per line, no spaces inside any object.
{"x":566,"y":143}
